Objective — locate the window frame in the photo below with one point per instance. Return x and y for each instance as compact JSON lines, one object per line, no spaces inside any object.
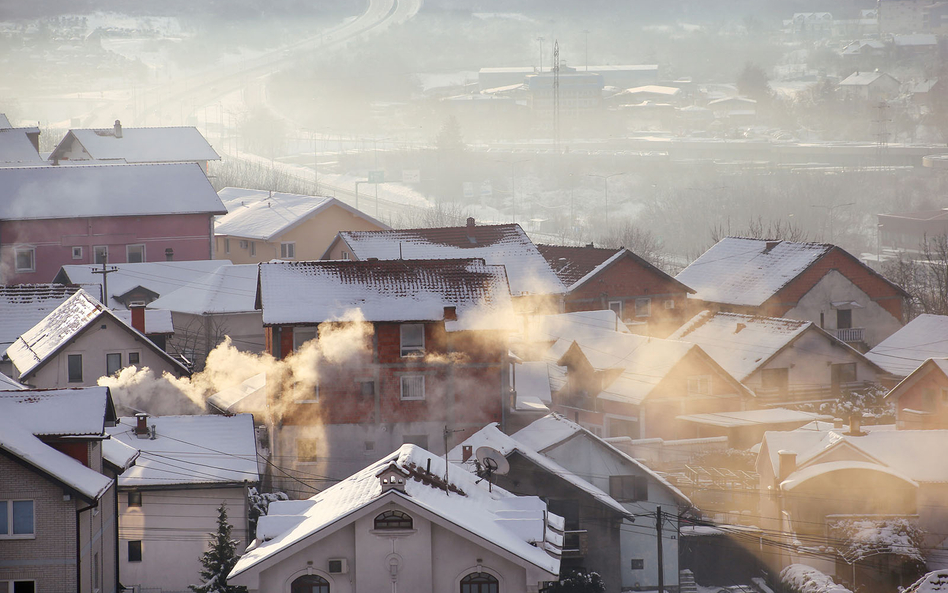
{"x":628,"y":487}
{"x":645,"y":302}
{"x":128,"y":251}
{"x":253,"y":249}
{"x":401,"y":381}
{"x":77,"y":254}
{"x":69,"y":375}
{"x":109,"y":355}
{"x":479,"y":582}
{"x":226,"y":244}
{"x":16,"y":258}
{"x":307,"y":441}
{"x":133,"y":499}
{"x":138,"y":358}
{"x":95,"y":254}
{"x":698,"y":379}
{"x":782,"y":374}
{"x":287,"y":249}
{"x":300,"y":331}
{"x":9,"y":505}
{"x":12,"y":583}
{"x":836,"y":371}
{"x":618,"y":312}
{"x":411,"y":350}
{"x":402,"y":521}
{"x":844,"y":318}
{"x":139,"y":552}
{"x":669,"y":304}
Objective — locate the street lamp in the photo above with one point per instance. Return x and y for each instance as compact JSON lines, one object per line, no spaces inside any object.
{"x":605,"y":188}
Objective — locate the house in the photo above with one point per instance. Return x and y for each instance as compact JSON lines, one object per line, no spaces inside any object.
{"x":621,"y":76}
{"x":425,"y":361}
{"x":168,"y":501}
{"x":922,"y":338}
{"x":16,"y":148}
{"x":745,"y":428}
{"x":885,"y":483}
{"x":260,"y":226}
{"x":735,"y":109}
{"x":863,"y":48}
{"x":910,"y":231}
{"x":533,"y":284}
{"x":921,"y":398}
{"x":812,"y":25}
{"x":24,"y":305}
{"x":135,"y":145}
{"x":617,"y":279}
{"x":628,"y":481}
{"x":207,"y":309}
{"x":869,"y":86}
{"x":90,"y":214}
{"x":781,"y":360}
{"x":80,"y":341}
{"x":32,"y":132}
{"x":579,"y":95}
{"x":408,"y":522}
{"x":814,"y":282}
{"x":57,"y":491}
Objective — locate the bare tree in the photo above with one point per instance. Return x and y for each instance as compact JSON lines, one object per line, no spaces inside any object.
{"x":638,"y":240}
{"x":758,"y":228}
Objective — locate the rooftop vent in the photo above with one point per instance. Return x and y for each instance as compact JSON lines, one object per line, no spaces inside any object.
{"x":118,"y":129}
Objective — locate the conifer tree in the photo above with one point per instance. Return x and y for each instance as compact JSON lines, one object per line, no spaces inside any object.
{"x":219,"y":559}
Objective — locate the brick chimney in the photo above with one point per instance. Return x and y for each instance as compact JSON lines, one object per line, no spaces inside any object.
{"x":470,"y":222}
{"x":450,"y":313}
{"x":141,"y":428}
{"x":787,"y":464}
{"x":466,"y":452}
{"x":855,"y":424}
{"x":118,"y":129}
{"x":138,"y":317}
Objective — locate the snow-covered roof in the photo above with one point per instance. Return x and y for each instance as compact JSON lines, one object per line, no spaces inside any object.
{"x":263,"y":215}
{"x":8,"y":384}
{"x":820,"y":469}
{"x":249,"y":397}
{"x":575,"y":266}
{"x":741,"y":343}
{"x":41,"y":342}
{"x":577,"y":326}
{"x":191,"y":450}
{"x":399,"y":290}
{"x":15,"y":147}
{"x":158,"y":277}
{"x":18,"y":441}
{"x":935,"y":581}
{"x":56,"y":412}
{"x":503,"y":244}
{"x":157,"y":321}
{"x":469,"y":505}
{"x":806,"y":579}
{"x":768,"y":416}
{"x":4,"y":122}
{"x":670,"y":91}
{"x":924,"y":337}
{"x":119,"y":454}
{"x":141,"y":145}
{"x":742,"y":271}
{"x":533,"y":385}
{"x":24,"y":305}
{"x":861,"y":78}
{"x":37,"y":193}
{"x":491,"y":436}
{"x":227,"y":289}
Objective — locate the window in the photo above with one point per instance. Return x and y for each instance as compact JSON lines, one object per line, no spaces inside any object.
{"x":307,"y":450}
{"x":413,"y":339}
{"x":628,"y":488}
{"x":345,"y":255}
{"x":253,"y":248}
{"x":25,"y":259}
{"x":135,"y":550}
{"x":413,"y":387}
{"x":17,"y":586}
{"x":134,"y":499}
{"x":95,"y":571}
{"x":844,"y":373}
{"x":16,"y":519}
{"x":113,"y":363}
{"x":244,"y":244}
{"x":393,"y":520}
{"x":77,"y":253}
{"x":699,"y":385}
{"x":288,"y":250}
{"x":777,"y":379}
{"x":669,"y":304}
{"x":643,"y":307}
{"x":419,"y":440}
{"x":301,"y":335}
{"x":638,"y":564}
{"x":367,"y":388}
{"x":226,"y":245}
{"x":310,"y":583}
{"x":480,"y":582}
{"x":617,"y":307}
{"x":101,"y":253}
{"x":134,"y":358}
{"x":369,"y":446}
{"x":844,"y":318}
{"x":74,"y":368}
{"x":135,"y":254}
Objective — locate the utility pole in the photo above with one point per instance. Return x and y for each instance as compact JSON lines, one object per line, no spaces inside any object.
{"x":556,"y":96}
{"x":540,"y":41}
{"x":882,"y":133}
{"x":105,"y":279}
{"x":661,"y":560}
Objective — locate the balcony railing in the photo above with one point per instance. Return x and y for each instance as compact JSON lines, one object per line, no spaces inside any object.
{"x":850,"y":334}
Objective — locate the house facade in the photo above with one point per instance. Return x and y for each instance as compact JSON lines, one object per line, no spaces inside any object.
{"x":127,"y":213}
{"x":921,"y":399}
{"x":425,"y":363}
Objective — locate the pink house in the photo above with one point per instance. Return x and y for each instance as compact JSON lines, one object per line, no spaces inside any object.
{"x":51,"y":216}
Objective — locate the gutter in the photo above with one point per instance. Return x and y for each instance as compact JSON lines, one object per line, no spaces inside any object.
{"x":79,"y":545}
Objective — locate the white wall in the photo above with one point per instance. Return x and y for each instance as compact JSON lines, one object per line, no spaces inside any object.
{"x":834,"y":287}
{"x":174,"y":526}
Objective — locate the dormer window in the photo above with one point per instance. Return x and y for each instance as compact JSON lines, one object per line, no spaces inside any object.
{"x":393,"y":520}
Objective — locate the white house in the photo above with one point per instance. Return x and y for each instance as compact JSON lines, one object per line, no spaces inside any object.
{"x":168,"y":501}
{"x":408,"y":522}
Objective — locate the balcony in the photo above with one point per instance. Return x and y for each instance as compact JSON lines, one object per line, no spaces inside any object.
{"x":575,"y":543}
{"x":850,"y":335}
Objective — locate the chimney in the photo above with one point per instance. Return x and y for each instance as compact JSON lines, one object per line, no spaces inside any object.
{"x":740,"y":327}
{"x":787,"y":464}
{"x":470,"y":222}
{"x":837,"y":422}
{"x":855,"y":424}
{"x":118,"y":129}
{"x":141,"y":428}
{"x":169,"y":254}
{"x":466,"y":452}
{"x":770,"y":246}
{"x":450,"y":313}
{"x":138,"y":316}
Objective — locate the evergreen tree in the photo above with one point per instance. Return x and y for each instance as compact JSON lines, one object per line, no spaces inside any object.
{"x":219,"y":559}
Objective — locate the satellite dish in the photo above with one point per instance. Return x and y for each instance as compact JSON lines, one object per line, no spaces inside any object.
{"x":492,"y":460}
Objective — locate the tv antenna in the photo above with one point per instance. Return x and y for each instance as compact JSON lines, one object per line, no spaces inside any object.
{"x":493,"y":462}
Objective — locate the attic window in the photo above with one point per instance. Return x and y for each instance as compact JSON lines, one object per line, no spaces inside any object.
{"x":699,"y":385}
{"x":391,"y":520}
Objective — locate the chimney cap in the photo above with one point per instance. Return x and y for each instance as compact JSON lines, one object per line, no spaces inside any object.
{"x":470,"y":221}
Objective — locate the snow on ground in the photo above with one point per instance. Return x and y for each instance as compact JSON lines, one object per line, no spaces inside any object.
{"x":801,"y":578}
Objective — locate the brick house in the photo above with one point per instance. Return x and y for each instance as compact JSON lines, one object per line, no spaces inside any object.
{"x":598,"y":278}
{"x":58,"y":530}
{"x":87,"y":214}
{"x":427,"y":365}
{"x":815,"y":282}
{"x":921,"y":399}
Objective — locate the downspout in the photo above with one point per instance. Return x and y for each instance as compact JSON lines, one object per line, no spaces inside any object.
{"x":79,"y":546}
{"x":117,"y":545}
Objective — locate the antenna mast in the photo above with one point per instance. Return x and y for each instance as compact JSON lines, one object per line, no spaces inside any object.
{"x":556,"y":96}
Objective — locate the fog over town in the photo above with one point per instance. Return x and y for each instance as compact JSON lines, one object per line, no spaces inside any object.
{"x":484,"y":296}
